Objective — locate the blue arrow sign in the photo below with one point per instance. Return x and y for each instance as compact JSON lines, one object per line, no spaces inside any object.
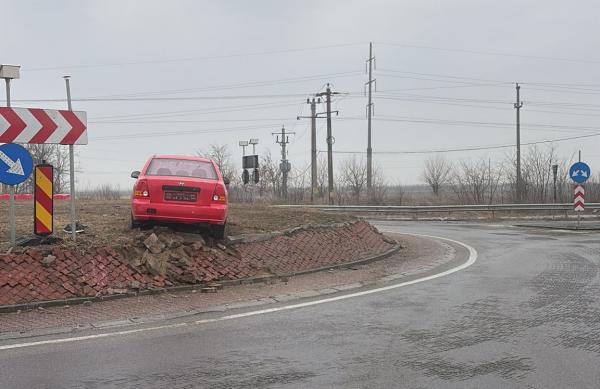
{"x":579,"y":172}
{"x":16,"y":164}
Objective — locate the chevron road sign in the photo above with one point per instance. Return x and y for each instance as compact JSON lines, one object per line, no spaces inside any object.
{"x":35,"y":126}
{"x":579,"y":199}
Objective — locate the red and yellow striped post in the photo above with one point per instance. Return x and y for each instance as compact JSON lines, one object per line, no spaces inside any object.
{"x":43,"y":200}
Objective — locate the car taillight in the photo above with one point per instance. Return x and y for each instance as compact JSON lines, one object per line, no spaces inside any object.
{"x":141,"y":189}
{"x":220,"y":194}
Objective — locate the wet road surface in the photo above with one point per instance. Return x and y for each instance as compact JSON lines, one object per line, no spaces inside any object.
{"x":525,"y":315}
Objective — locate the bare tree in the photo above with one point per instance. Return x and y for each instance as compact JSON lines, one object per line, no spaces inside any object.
{"x":379,"y":188}
{"x":398,"y":193}
{"x":222,"y":157}
{"x":322,"y":176}
{"x":537,"y":173}
{"x":55,"y":155}
{"x":476,"y":182}
{"x":436,"y":173}
{"x":270,"y":182}
{"x":353,"y":175}
{"x":298,"y":181}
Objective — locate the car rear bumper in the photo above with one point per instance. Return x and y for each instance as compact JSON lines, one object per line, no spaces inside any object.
{"x":144,"y":210}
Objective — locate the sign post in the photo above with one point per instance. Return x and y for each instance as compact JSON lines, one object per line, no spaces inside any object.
{"x":579,"y":172}
{"x":71,"y":166}
{"x":579,"y":201}
{"x":40,"y":126}
{"x":10,"y":72}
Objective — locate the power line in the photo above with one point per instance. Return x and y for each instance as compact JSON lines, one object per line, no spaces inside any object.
{"x":189,"y":121}
{"x":164,"y":114}
{"x":250,"y":84}
{"x":473,"y":148}
{"x":99,"y":99}
{"x":413,"y":119}
{"x":493,"y":53}
{"x":191,"y":59}
{"x":413,"y":100}
{"x":560,"y":105}
{"x":575,"y":85}
{"x":160,"y":134}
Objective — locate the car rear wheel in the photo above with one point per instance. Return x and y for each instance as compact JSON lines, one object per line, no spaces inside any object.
{"x":134,"y":223}
{"x":218,"y":231}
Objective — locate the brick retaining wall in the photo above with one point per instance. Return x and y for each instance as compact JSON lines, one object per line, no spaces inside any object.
{"x":61,"y":273}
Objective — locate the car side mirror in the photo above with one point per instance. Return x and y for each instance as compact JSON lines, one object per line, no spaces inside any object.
{"x":226,"y":181}
{"x":135,"y":174}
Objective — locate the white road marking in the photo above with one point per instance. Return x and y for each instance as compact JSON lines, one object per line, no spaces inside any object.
{"x":469,"y":262}
{"x":87,"y":337}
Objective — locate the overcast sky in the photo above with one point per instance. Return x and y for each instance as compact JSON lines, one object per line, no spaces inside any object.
{"x":247,"y":67}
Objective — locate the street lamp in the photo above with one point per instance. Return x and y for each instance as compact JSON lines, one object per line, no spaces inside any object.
{"x":243,"y":145}
{"x":10,"y":72}
{"x":254,"y":142}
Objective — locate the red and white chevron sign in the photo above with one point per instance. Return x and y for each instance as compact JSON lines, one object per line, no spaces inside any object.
{"x":579,"y":199}
{"x":35,"y":126}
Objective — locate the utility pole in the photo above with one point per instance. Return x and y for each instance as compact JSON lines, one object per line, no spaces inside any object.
{"x":330,"y":141}
{"x":518,"y":106}
{"x":313,"y":145}
{"x":370,"y":62}
{"x":285,"y":164}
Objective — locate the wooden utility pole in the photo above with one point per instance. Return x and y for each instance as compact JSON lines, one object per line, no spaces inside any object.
{"x":313,"y":145}
{"x":330,"y":140}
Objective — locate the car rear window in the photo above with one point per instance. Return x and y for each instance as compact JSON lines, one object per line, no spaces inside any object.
{"x":181,"y":168}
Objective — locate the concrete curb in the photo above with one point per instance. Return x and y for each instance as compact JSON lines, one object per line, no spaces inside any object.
{"x":184,"y":288}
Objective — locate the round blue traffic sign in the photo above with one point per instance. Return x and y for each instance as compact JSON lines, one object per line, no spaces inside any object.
{"x":579,"y":172}
{"x":16,"y":164}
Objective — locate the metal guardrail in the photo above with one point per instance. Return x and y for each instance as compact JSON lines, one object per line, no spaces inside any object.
{"x":444,"y":208}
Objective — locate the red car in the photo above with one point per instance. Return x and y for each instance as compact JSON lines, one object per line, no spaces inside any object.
{"x":179,"y":189}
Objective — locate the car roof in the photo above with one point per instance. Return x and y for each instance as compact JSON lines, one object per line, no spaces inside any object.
{"x":181,"y":157}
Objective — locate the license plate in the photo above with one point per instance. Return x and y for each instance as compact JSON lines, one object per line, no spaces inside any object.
{"x":180,"y":196}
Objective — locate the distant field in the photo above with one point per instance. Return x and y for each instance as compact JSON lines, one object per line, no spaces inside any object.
{"x":109,"y":219}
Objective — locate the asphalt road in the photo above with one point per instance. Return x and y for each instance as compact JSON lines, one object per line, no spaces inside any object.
{"x":526,"y":314}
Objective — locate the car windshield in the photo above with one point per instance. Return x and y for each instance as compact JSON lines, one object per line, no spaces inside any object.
{"x":181,"y":168}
